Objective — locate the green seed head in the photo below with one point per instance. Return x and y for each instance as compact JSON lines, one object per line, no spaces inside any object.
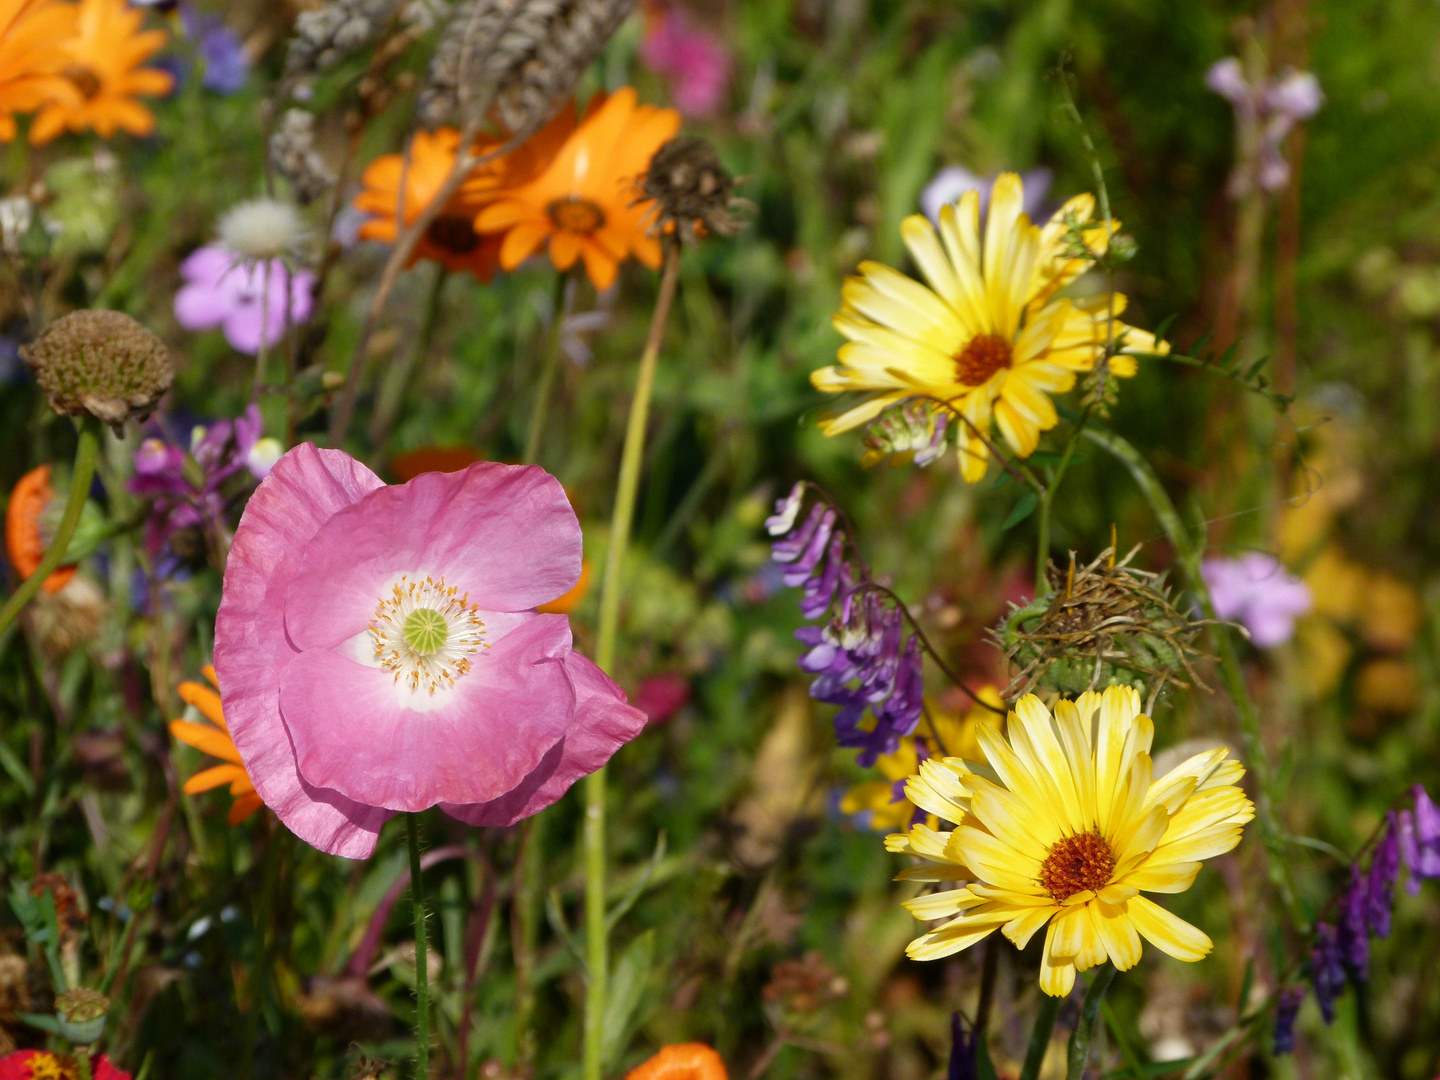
{"x":425,"y":631}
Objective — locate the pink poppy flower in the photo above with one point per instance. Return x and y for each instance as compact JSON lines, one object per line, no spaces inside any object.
{"x":378,"y":648}
{"x":223,"y":290}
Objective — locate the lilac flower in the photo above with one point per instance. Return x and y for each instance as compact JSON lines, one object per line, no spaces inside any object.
{"x":186,"y":488}
{"x":1265,"y":114}
{"x":222,"y":290}
{"x":220,"y":49}
{"x":954,"y":181}
{"x":1420,"y":840}
{"x":861,"y":658}
{"x":1256,"y":591}
{"x":1327,"y":969}
{"x":1287,"y":1007}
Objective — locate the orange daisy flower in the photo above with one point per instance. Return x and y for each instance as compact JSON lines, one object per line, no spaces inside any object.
{"x":451,"y":239}
{"x":216,"y":742}
{"x":102,"y":63}
{"x":32,"y":57}
{"x":25,"y":528}
{"x":681,"y":1061}
{"x":584,"y":201}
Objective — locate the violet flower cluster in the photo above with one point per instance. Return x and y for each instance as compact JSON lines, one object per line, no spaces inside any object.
{"x":186,"y":487}
{"x":1341,"y":948}
{"x":861,"y":657}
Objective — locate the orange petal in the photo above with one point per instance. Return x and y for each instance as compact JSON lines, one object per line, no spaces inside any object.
{"x":206,"y":739}
{"x":207,"y":701}
{"x":683,"y":1061}
{"x":243,"y":807}
{"x":568,"y":602}
{"x":212,"y":778}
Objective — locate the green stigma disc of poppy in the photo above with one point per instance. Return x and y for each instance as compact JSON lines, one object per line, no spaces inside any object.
{"x":426,"y":631}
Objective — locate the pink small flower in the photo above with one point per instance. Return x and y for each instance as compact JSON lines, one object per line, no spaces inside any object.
{"x":378,"y":648}
{"x":692,"y":60}
{"x":223,"y":290}
{"x":1259,"y":593}
{"x":661,"y":696}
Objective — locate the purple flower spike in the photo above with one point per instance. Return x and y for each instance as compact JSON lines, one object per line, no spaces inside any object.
{"x":1420,"y":840}
{"x":1380,"y":884}
{"x":793,"y":546}
{"x":809,"y":559}
{"x":1287,"y":1007}
{"x":820,"y":590}
{"x":1354,"y":936}
{"x":1327,"y":969}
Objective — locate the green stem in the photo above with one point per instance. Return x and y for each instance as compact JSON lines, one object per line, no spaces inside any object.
{"x":1079,"y":1052}
{"x":82,"y":1062}
{"x":263,"y":354}
{"x":596,"y":942}
{"x":524,"y":923}
{"x":422,"y":966}
{"x":551,"y":364}
{"x":1047,"y":500}
{"x":1040,"y":1036}
{"x":87,"y":449}
{"x":1188,"y":551}
{"x":398,"y":378}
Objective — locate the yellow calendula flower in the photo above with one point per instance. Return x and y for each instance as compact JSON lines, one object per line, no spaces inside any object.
{"x":1070,"y":835}
{"x":989,"y":335}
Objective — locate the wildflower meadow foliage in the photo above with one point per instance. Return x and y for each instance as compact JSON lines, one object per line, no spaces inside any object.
{"x":784,"y":539}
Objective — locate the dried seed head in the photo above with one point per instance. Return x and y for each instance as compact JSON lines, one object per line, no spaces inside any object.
{"x":1105,"y":624}
{"x":100,"y":363}
{"x":690,"y":187}
{"x":70,"y":618}
{"x":521,"y":57}
{"x":328,"y":34}
{"x":293,"y":153}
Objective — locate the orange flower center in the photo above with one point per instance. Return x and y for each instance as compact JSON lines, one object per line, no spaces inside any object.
{"x":576,"y":215}
{"x":1077,"y":864}
{"x":453,"y":233}
{"x":983,"y":356}
{"x":85,"y":80}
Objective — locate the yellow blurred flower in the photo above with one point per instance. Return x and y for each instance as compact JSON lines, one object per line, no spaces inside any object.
{"x":215,"y":741}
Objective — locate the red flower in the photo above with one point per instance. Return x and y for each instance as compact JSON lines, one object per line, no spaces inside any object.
{"x":43,"y":1065}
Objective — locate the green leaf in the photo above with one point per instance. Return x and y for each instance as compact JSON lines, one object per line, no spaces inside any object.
{"x":1256,"y":366}
{"x":984,"y":1067}
{"x":1163,"y":328}
{"x":628,"y":983}
{"x":43,"y":1022}
{"x":16,"y":769}
{"x":641,"y":884}
{"x":1023,"y":509}
{"x":1227,"y":358}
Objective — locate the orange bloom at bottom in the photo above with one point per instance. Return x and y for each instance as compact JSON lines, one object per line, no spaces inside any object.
{"x":216,"y":742}
{"x":25,"y":539}
{"x":682,"y":1061}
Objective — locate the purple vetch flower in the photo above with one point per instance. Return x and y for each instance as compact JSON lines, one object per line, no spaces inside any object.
{"x":1327,"y":969}
{"x":249,"y":301}
{"x":1420,"y":840}
{"x":186,"y":487}
{"x":964,"y":1045}
{"x":1287,"y":1008}
{"x":954,"y":181}
{"x":1256,"y":591}
{"x":861,"y":657}
{"x":1354,"y":929}
{"x":1381,"y":877}
{"x":226,"y":65}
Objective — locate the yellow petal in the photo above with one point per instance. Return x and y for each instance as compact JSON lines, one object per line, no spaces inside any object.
{"x":1163,"y":877}
{"x":941,"y":905}
{"x":1057,"y":974}
{"x":1168,"y":933}
{"x":1117,"y":933}
{"x":1023,"y":927}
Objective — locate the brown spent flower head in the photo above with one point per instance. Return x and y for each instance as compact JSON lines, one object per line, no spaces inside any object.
{"x":100,"y":363}
{"x":68,"y":619}
{"x":1104,"y":624}
{"x":805,"y":985}
{"x":691,"y":189}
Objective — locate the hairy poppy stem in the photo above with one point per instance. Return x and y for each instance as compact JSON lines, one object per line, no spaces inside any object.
{"x":1079,"y":1051}
{"x":87,"y":449}
{"x":596,"y":932}
{"x":422,"y":966}
{"x":565,"y":301}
